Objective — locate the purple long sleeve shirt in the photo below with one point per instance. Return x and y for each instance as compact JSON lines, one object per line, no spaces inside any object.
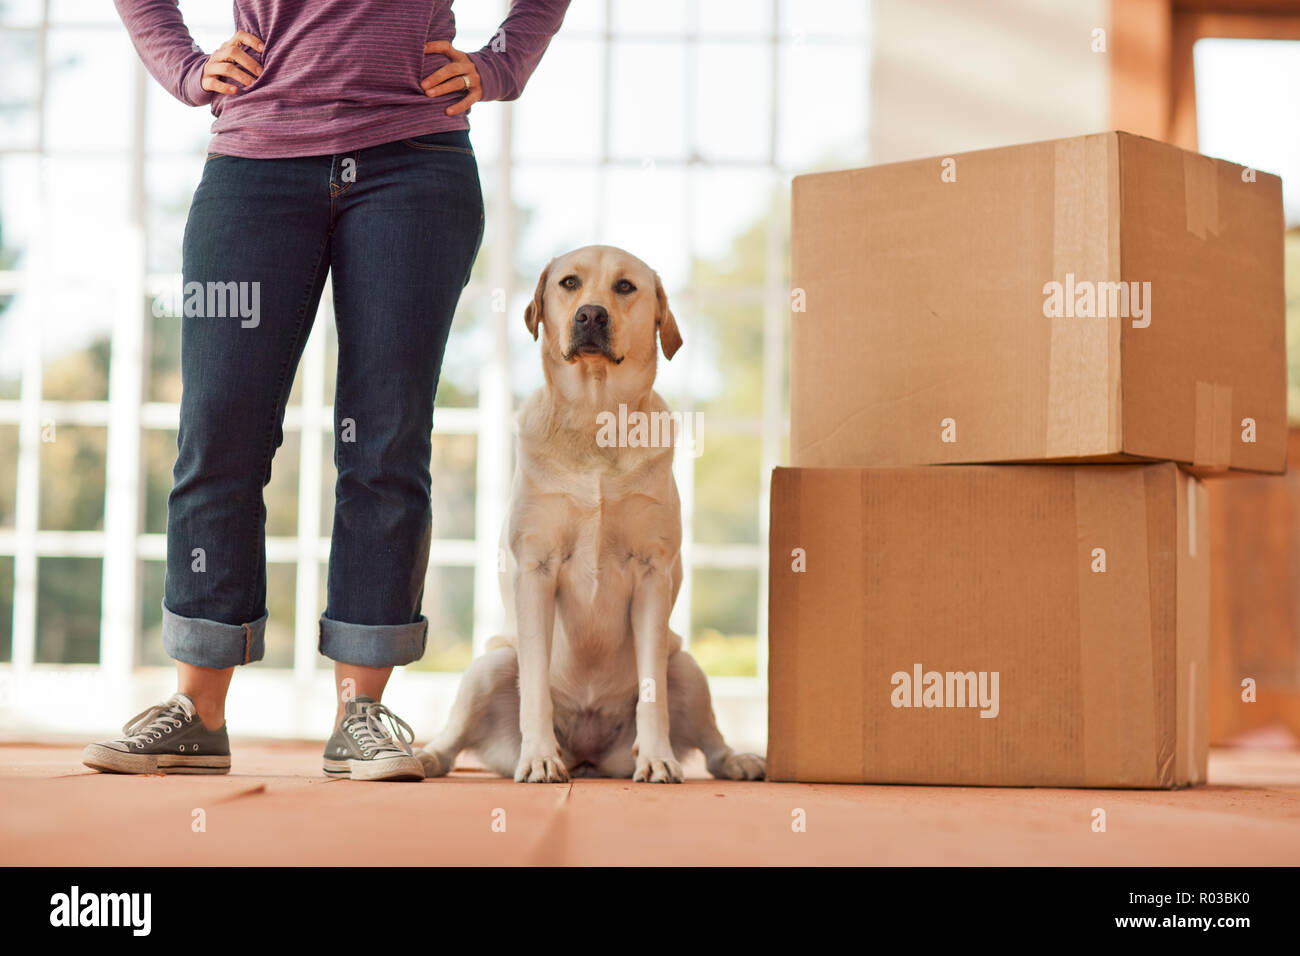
{"x":337,"y":75}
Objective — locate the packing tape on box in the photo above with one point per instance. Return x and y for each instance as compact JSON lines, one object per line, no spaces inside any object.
{"x":1212,"y":448}
{"x":1201,"y":195}
{"x":1116,"y":659}
{"x":1083,"y":357}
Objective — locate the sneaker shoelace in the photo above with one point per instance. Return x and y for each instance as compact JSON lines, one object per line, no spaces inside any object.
{"x":368,"y":730}
{"x":157,"y":720}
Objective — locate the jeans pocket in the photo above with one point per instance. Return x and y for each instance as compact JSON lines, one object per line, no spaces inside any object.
{"x":452,"y":141}
{"x":214,"y":156}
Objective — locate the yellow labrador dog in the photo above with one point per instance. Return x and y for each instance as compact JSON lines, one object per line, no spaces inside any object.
{"x":592,"y":682}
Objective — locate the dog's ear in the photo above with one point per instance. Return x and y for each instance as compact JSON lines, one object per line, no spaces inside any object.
{"x":670,"y":340}
{"x":533,"y":311}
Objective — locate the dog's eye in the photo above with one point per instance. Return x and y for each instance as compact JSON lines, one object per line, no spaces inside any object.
{"x":569,"y":282}
{"x":623,"y":287}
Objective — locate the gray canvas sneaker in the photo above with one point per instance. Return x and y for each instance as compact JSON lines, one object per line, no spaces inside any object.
{"x":362,"y":747}
{"x":166,"y":738}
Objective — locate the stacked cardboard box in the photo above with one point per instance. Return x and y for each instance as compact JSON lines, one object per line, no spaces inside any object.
{"x":1088,"y":302}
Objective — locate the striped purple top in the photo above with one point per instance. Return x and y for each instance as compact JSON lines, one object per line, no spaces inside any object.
{"x":337,"y":75}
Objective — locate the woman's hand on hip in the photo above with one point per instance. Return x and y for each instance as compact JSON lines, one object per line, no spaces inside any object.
{"x":458,"y":76}
{"x":227,"y":62}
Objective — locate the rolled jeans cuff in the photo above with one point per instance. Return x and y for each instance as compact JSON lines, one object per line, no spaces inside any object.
{"x":203,"y":643}
{"x":373,"y":645}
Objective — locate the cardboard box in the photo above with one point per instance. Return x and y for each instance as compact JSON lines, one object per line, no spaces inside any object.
{"x":1255,"y":602}
{"x":1070,"y":604}
{"x":927,"y":287}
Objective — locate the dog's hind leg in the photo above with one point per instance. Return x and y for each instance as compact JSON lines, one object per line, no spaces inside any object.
{"x":692,"y":724}
{"x":484,"y":717}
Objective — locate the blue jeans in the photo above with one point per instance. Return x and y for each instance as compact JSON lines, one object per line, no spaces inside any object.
{"x":398,"y":226}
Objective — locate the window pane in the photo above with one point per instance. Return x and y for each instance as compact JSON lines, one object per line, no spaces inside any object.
{"x":458,"y":384}
{"x":454,"y":473}
{"x":724,"y":620}
{"x":20,"y":12}
{"x":282,"y":493}
{"x":733,"y":17}
{"x":76,"y":371}
{"x":169,"y":186}
{"x":20,"y":215}
{"x":67,"y":610}
{"x":328,"y":477}
{"x":174,"y":129}
{"x":727,"y":486}
{"x":72,"y":477}
{"x":637,"y":16}
{"x":281,"y":591}
{"x":79,"y":61}
{"x":449,"y":606}
{"x":558,"y":211}
{"x":733,"y":116}
{"x":1234,"y":114}
{"x":82,"y":11}
{"x":158,"y":452}
{"x":819,"y":130}
{"x":149,"y":651}
{"x":6,"y":608}
{"x":8,"y":473}
{"x":555,"y":98}
{"x":331,"y":351}
{"x":164,"y":352}
{"x":19,"y":122}
{"x":654,"y":197}
{"x":82,"y":220}
{"x":649,"y":86}
{"x":826,"y":18}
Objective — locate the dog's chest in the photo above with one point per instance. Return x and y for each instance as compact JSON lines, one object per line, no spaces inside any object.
{"x":609,"y":533}
{"x":609,"y":530}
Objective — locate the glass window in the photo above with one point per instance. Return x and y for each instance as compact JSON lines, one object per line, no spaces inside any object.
{"x":6,"y":608}
{"x":149,"y":649}
{"x":67,"y":610}
{"x":8,"y":474}
{"x":158,"y":456}
{"x":727,"y":487}
{"x":19,"y":119}
{"x":724,"y":619}
{"x":449,"y":606}
{"x":80,"y":61}
{"x":281,"y":590}
{"x":72,"y":477}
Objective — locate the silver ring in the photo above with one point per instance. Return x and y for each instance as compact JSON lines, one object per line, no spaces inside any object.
{"x":465,"y":77}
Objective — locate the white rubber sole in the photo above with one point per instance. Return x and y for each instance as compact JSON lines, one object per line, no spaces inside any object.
{"x":107,"y":760}
{"x":389,"y":768}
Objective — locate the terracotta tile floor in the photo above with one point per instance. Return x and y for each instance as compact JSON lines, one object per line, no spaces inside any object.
{"x":277,"y":809}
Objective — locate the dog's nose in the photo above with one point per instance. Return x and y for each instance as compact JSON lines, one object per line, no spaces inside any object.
{"x":592,"y":315}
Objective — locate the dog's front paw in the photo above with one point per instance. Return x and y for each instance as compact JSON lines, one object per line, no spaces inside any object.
{"x":657,"y":770}
{"x":541,"y":768}
{"x":434,"y":766}
{"x":740,"y":767}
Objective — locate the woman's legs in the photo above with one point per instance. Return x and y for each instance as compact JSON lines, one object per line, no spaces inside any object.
{"x":406,"y":233}
{"x":256,"y":253}
{"x":354,"y":680}
{"x":401,"y":225}
{"x":207,"y":687}
{"x":406,"y":229}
